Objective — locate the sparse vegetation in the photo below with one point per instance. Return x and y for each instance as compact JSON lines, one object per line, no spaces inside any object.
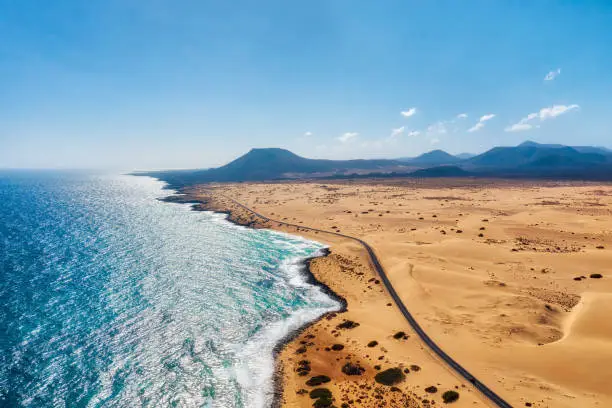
{"x":352,"y":369}
{"x":399,"y":335}
{"x":373,"y":343}
{"x":318,"y":380}
{"x":596,"y":275}
{"x":320,"y":393}
{"x":390,"y":376}
{"x":432,"y":389}
{"x":450,"y":396}
{"x":347,"y":324}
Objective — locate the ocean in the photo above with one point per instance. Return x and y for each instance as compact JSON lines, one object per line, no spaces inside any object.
{"x":112,"y":298}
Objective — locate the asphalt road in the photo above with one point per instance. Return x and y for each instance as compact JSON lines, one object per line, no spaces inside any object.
{"x":486,"y":391}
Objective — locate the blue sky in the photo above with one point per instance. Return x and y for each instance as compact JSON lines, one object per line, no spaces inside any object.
{"x":135,"y":84}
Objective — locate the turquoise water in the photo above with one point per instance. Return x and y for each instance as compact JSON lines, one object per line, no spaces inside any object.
{"x":109,"y":297}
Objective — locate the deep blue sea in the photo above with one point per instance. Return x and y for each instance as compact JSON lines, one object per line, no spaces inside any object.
{"x":112,"y":298}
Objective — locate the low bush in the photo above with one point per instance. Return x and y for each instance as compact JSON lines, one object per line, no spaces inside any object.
{"x":320,"y":393}
{"x":399,"y":335}
{"x":318,"y":380}
{"x":347,"y":324}
{"x":352,"y":369}
{"x":390,"y":376}
{"x":450,"y":396}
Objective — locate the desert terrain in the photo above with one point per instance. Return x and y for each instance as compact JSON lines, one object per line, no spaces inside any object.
{"x":513,"y":279}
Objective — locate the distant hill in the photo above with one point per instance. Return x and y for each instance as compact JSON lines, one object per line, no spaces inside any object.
{"x":273,"y":164}
{"x":527,"y":160}
{"x":580,"y":149}
{"x":432,"y":158}
{"x":536,"y":156}
{"x":465,"y":156}
{"x":441,"y":171}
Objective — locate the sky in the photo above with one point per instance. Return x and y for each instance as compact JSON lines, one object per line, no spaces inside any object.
{"x":153,"y":84}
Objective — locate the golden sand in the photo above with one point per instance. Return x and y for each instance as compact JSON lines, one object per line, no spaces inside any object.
{"x":497,"y":273}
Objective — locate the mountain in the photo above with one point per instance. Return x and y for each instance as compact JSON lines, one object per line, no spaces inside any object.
{"x":535,"y":155}
{"x":273,"y":164}
{"x":432,"y":158}
{"x":580,"y":149}
{"x":527,"y":160}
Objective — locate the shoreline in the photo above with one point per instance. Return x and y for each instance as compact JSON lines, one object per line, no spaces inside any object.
{"x":294,"y":334}
{"x":179,"y":197}
{"x":347,"y":266}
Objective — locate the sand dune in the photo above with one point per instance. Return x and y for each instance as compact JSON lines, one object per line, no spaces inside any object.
{"x":503,"y":275}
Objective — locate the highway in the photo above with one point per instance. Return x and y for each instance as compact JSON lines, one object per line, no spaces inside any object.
{"x":486,"y":391}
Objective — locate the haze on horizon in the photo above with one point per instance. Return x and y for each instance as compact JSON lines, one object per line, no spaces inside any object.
{"x":146,"y":85}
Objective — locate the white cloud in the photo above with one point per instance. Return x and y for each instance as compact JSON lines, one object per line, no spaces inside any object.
{"x":414,"y":133}
{"x":397,"y":132}
{"x":476,"y":127}
{"x":434,"y":141}
{"x":552,"y":75}
{"x":410,"y":112}
{"x":556,"y":110}
{"x":544,"y":114}
{"x":438,"y":128}
{"x":481,"y":122}
{"x":347,"y":136}
{"x":519,"y":127}
{"x":462,"y":116}
{"x":308,"y":134}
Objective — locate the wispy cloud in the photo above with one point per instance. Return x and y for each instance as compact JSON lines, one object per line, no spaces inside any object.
{"x":552,"y":75}
{"x":410,"y":112}
{"x":438,"y":128}
{"x":397,"y":132}
{"x":556,"y":110}
{"x":519,"y":127}
{"x":413,"y":133}
{"x":462,"y":116}
{"x":346,"y":137}
{"x":308,"y":134}
{"x":481,"y":122}
{"x":544,"y":114}
{"x":476,"y":127}
{"x":434,"y":141}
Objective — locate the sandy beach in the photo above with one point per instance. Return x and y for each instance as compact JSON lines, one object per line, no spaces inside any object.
{"x":511,"y":279}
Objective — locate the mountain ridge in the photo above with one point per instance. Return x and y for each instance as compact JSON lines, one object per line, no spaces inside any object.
{"x":528,"y":159}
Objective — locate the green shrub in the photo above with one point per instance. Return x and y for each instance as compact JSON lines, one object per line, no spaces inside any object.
{"x":399,"y":335}
{"x":323,"y":403}
{"x":352,"y":369}
{"x":318,"y":380}
{"x":320,"y":393}
{"x":450,"y":396}
{"x":347,"y":324}
{"x":390,"y":376}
